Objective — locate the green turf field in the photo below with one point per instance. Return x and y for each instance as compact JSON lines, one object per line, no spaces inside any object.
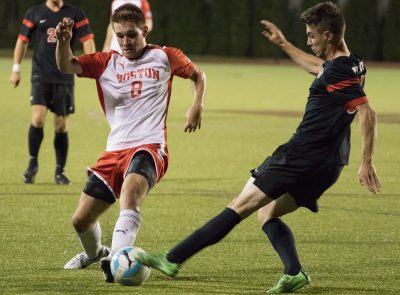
{"x":350,"y":247}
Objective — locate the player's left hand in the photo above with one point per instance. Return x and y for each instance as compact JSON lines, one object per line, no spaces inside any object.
{"x":64,"y":30}
{"x":193,"y":119}
{"x":367,"y":176}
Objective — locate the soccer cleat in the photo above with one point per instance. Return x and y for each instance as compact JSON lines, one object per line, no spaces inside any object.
{"x":289,"y":284}
{"x":158,"y":261}
{"x":81,"y":260}
{"x":105,"y":266}
{"x":29,"y":175}
{"x":62,"y":179}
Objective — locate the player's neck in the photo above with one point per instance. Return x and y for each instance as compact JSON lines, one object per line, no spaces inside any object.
{"x":54,"y":6}
{"x":336,"y":52}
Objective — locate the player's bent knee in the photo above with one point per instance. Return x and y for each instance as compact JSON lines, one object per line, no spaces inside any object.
{"x":80,"y":224}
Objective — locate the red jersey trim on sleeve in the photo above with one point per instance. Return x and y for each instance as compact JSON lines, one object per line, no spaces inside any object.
{"x":146,"y":9}
{"x":350,"y":106}
{"x":342,"y":84}
{"x":23,"y":38}
{"x":86,"y":37}
{"x":81,"y":23}
{"x":28,"y":23}
{"x":180,"y":64}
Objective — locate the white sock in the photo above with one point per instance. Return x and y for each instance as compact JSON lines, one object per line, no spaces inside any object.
{"x":126,"y":229}
{"x":91,"y":240}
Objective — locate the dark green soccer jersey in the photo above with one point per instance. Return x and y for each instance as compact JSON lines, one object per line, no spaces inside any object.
{"x":324,"y":133}
{"x":39,"y":28}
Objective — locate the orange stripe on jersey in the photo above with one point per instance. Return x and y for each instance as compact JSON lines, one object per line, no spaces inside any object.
{"x":350,"y":106}
{"x":343,"y":84}
{"x":23,"y":38}
{"x":86,"y":37}
{"x":82,"y":23}
{"x":28,"y":23}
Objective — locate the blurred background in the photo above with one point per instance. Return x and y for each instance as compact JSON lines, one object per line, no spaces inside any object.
{"x":231,"y":28}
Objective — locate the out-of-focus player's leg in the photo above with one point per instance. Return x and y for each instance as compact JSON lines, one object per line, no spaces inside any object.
{"x":88,"y":229}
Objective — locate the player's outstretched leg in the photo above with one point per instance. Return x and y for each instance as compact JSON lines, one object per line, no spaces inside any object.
{"x":82,"y":260}
{"x":289,"y":284}
{"x":158,"y":261}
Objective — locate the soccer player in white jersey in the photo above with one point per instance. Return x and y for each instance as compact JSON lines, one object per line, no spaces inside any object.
{"x":134,"y":90}
{"x":111,"y":42}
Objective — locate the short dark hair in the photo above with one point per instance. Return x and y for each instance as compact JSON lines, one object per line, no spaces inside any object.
{"x":327,"y":17}
{"x":128,"y":13}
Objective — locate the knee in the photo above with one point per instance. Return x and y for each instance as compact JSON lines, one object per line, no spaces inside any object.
{"x":81,"y":224}
{"x":132,"y":195}
{"x":60,"y":124}
{"x":264,"y":215}
{"x":37,"y":121}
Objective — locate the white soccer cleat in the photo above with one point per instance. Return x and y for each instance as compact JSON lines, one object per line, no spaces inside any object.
{"x":81,"y":260}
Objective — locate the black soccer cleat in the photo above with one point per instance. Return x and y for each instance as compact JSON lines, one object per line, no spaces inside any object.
{"x":29,"y":175}
{"x":62,"y":179}
{"x":105,"y":266}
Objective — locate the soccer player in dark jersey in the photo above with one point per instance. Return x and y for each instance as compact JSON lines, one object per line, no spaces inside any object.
{"x":50,"y":89}
{"x":299,"y":171}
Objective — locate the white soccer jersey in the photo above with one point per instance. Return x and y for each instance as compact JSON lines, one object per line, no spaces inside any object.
{"x":142,"y":4}
{"x":134,"y":94}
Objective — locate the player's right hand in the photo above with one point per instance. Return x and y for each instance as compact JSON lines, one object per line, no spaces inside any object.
{"x":273,"y":33}
{"x":15,"y":78}
{"x":64,"y":29}
{"x":368,"y":177}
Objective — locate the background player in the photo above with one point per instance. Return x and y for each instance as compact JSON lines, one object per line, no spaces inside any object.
{"x":111,"y":43}
{"x":51,"y":89}
{"x":134,"y":91}
{"x":299,"y":171}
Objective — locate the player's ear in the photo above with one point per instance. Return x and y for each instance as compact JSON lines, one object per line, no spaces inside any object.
{"x":329,"y":36}
{"x":145,"y":31}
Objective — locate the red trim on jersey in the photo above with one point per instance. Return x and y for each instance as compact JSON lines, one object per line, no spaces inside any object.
{"x":180,"y":64}
{"x":351,"y":105}
{"x":23,"y":38}
{"x":101,"y":97}
{"x":81,"y":23}
{"x":343,"y":84}
{"x":86,"y":37}
{"x":146,"y":10}
{"x":28,"y":23}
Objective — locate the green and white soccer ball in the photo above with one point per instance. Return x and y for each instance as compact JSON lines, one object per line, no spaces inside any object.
{"x":126,"y":270}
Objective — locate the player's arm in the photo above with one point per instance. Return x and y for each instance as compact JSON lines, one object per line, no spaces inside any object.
{"x":19,"y":53}
{"x":107,"y":41}
{"x":193,"y":115}
{"x":89,"y":46}
{"x":367,"y":173}
{"x":64,"y":57}
{"x":308,"y":62}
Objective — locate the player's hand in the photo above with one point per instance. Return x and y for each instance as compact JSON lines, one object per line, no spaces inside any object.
{"x":64,"y":29}
{"x":273,"y":33}
{"x":368,"y":177}
{"x":15,"y":78}
{"x":193,"y":119}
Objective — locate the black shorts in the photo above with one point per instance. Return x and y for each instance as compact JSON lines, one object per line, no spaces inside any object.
{"x":304,"y":180}
{"x":142,"y":163}
{"x":58,"y":98}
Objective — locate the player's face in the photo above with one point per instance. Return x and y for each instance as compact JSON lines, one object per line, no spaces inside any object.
{"x":317,"y":41}
{"x":130,"y":38}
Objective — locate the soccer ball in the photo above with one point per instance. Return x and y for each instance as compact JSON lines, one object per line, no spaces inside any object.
{"x":126,"y":270}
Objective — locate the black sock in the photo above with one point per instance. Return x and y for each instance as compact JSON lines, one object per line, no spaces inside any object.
{"x":35,"y":138}
{"x":281,"y":238}
{"x":209,"y":234}
{"x":61,"y":147}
